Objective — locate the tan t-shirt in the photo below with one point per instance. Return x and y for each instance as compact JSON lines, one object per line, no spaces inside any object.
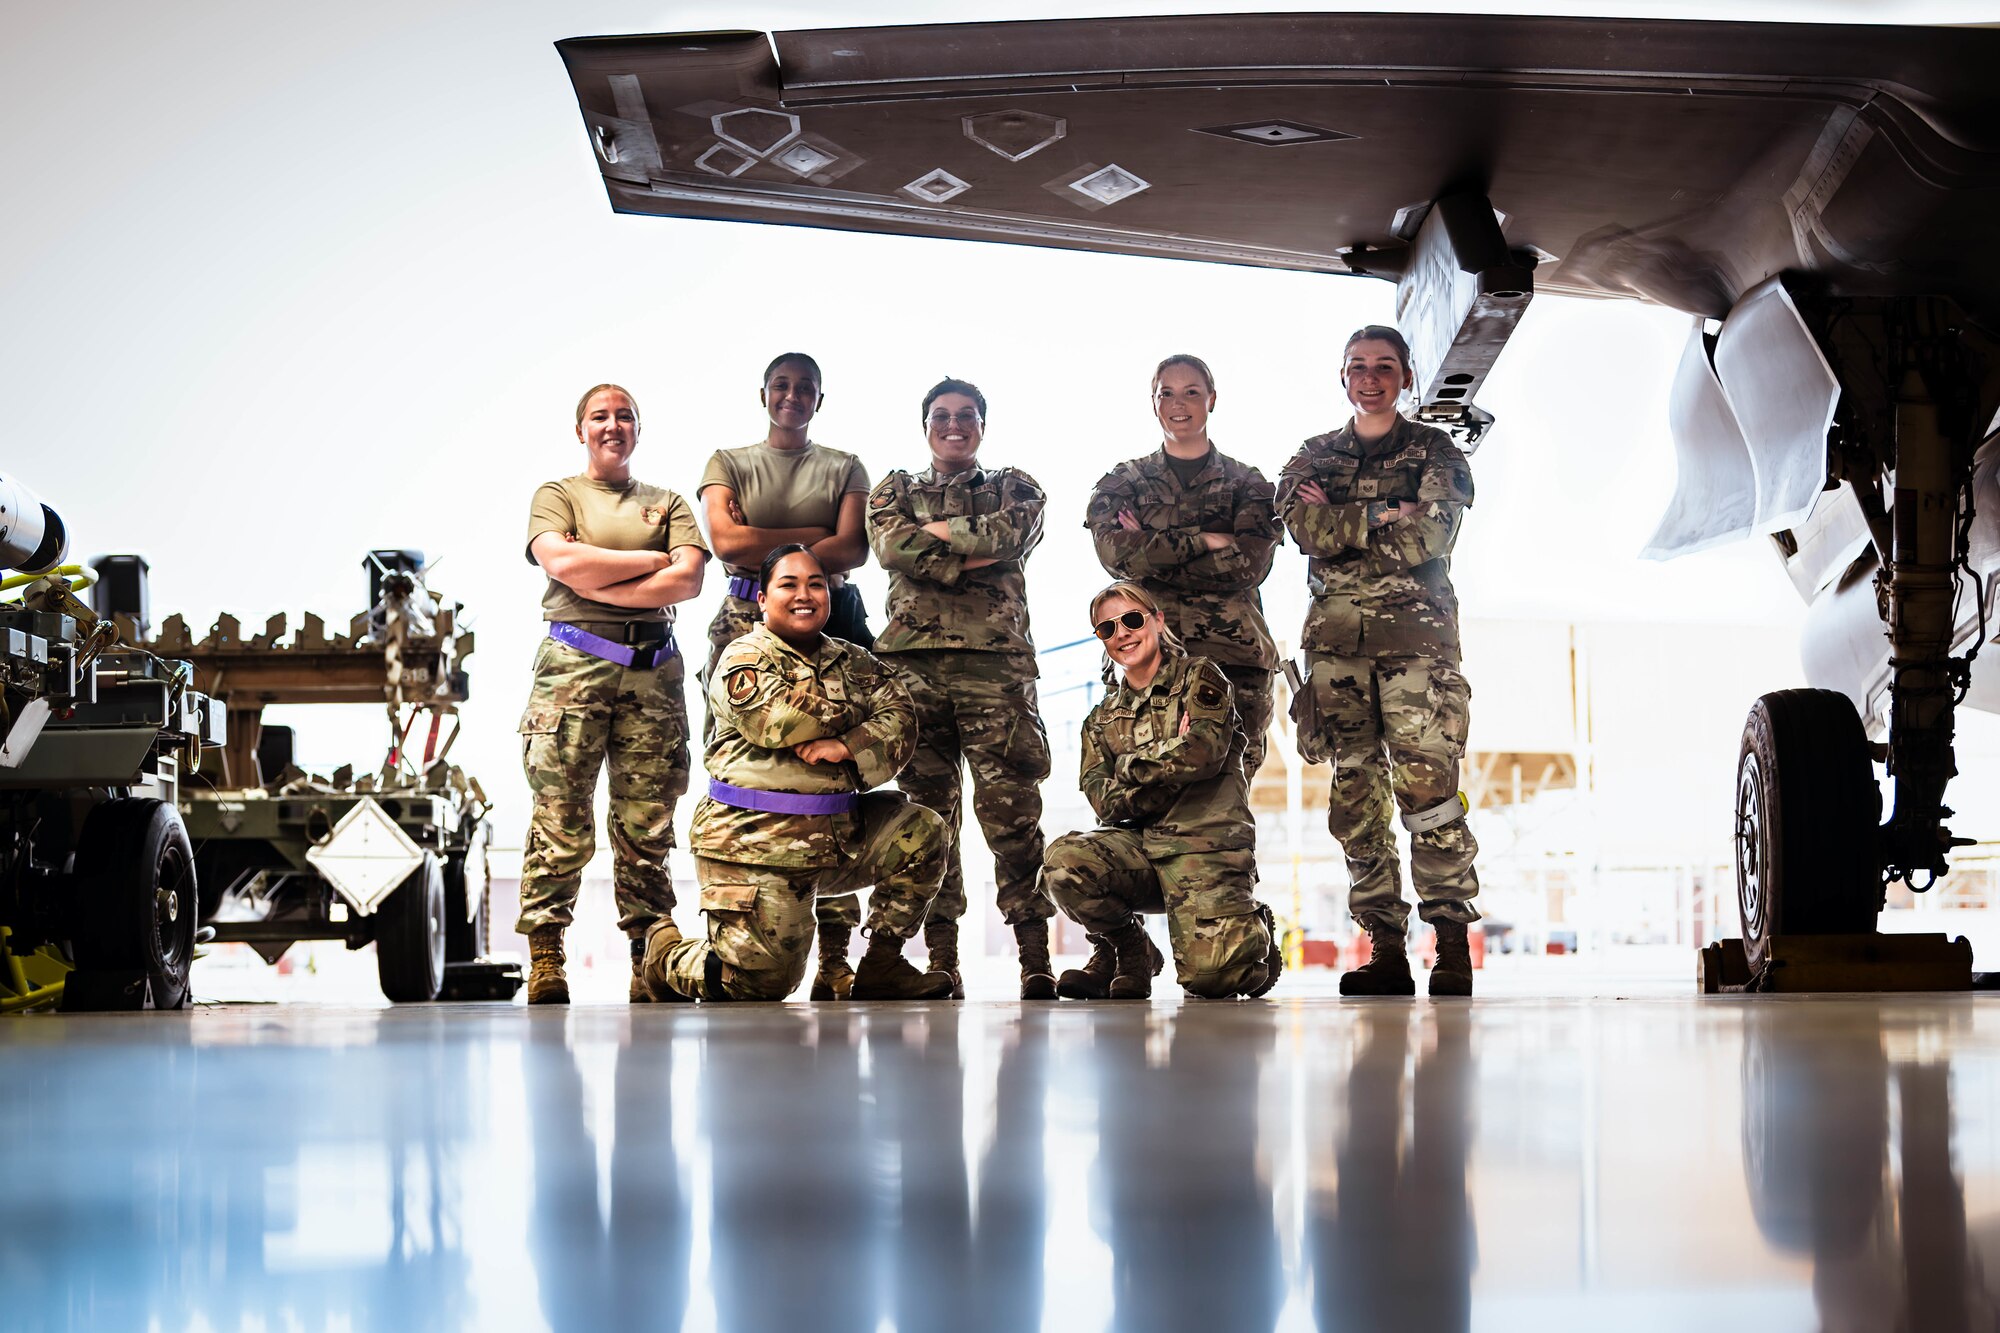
{"x":631,"y":517}
{"x":785,"y":488}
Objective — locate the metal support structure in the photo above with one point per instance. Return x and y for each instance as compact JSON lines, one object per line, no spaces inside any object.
{"x":1930,"y":474}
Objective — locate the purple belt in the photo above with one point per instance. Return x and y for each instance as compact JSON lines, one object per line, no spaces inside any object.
{"x":644,"y":656}
{"x":745,"y":588}
{"x":782,"y":802}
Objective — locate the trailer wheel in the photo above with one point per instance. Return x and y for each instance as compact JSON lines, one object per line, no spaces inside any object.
{"x":465,"y":941}
{"x":1807,"y":810}
{"x":409,"y":936}
{"x":137,"y":905}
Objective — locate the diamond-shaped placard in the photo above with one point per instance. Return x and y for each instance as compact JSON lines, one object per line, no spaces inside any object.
{"x":1014,"y":135}
{"x":934,"y":187}
{"x":804,"y":159}
{"x":755,"y":130}
{"x":366,"y":856}
{"x":1109,"y":184}
{"x":722,"y":160}
{"x":1275,"y":133}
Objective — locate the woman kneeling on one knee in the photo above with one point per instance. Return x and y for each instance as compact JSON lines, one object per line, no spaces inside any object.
{"x":1163,"y":769}
{"x":804,"y":726}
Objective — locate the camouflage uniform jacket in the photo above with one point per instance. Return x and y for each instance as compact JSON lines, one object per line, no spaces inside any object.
{"x":1168,"y":761}
{"x":1210,"y":597}
{"x":1381,"y":592}
{"x":767,"y":697}
{"x":934,"y":600}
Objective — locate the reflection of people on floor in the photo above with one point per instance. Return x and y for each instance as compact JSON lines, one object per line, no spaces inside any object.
{"x":1177,"y":1186}
{"x":1013,"y":1200}
{"x":792,"y":1248}
{"x":1392,"y":1245}
{"x":631,"y":1271}
{"x":1887,"y":1235}
{"x":918,"y":1122}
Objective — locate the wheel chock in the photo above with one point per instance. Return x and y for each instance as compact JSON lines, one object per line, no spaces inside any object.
{"x":482,"y":979}
{"x":106,"y":991}
{"x":1810,"y":964}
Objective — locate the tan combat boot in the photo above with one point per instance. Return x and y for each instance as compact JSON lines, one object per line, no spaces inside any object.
{"x":1137,"y":962}
{"x":1387,"y":971}
{"x":1038,"y":981}
{"x":941,"y":938}
{"x":835,"y":978}
{"x":1274,"y":961}
{"x":546,"y":982}
{"x":1092,"y":981}
{"x":1452,"y":973}
{"x":649,"y":963}
{"x":885,"y":974}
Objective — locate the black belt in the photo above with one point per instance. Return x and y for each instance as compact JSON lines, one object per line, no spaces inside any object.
{"x":631,"y":633}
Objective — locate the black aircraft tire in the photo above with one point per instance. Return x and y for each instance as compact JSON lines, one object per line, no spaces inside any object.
{"x":410,"y":935}
{"x":1807,"y":810}
{"x":137,"y":904}
{"x":466,"y":940}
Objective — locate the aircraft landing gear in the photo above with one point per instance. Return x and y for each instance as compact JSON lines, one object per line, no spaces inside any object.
{"x":1806,"y":810}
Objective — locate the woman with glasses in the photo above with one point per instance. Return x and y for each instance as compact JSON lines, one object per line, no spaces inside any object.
{"x":619,"y":555}
{"x":955,"y":539}
{"x":1377,"y":505}
{"x":782,"y":490}
{"x":1163,"y":769}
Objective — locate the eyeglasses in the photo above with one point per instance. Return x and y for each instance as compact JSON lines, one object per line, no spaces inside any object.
{"x":968,"y":417}
{"x":1130,"y":620}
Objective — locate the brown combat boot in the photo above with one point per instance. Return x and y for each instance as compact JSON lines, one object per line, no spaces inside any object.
{"x":546,"y":982}
{"x":1038,"y":981}
{"x":1387,"y":971}
{"x":1451,"y":974}
{"x":835,"y":978}
{"x":1092,"y":981}
{"x":1274,"y":961}
{"x":941,"y":938}
{"x":885,"y":974}
{"x":1137,"y":962}
{"x":649,"y":963}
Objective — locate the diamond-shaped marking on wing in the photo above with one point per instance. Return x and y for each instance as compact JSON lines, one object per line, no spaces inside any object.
{"x":803,"y":159}
{"x":1108,"y":185}
{"x":936,"y":186}
{"x":1275,"y":133}
{"x":723,"y":160}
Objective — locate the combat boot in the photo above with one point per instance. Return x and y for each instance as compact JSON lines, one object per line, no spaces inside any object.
{"x":1451,"y":974}
{"x":546,"y":982}
{"x":649,"y":963}
{"x":1387,"y":971}
{"x":1274,"y":961}
{"x":1038,"y":980}
{"x":1092,"y":981}
{"x":885,"y":974}
{"x":941,"y":938}
{"x":1136,"y":961}
{"x":836,"y":975}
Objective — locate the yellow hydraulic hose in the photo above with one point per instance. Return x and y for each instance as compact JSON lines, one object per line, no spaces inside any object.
{"x":79,"y":577}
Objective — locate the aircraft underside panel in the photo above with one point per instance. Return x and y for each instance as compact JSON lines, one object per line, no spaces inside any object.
{"x":1715,"y":496}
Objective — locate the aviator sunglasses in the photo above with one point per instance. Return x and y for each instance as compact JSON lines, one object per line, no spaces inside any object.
{"x":1130,"y":620}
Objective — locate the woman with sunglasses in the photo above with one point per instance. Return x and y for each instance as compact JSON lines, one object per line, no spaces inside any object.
{"x":789,"y":489}
{"x":1163,"y":769}
{"x":1377,"y":505}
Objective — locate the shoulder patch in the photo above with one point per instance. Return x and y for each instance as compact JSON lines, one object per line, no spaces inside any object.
{"x":741,"y":685}
{"x":882,"y":499}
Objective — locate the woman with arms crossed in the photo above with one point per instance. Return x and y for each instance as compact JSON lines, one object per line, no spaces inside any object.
{"x":1377,"y":506}
{"x":619,"y":555}
{"x":787,"y":489}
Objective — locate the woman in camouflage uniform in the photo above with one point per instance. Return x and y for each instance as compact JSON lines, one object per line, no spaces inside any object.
{"x":805,"y":724}
{"x":619,"y":555}
{"x":1163,"y":769}
{"x":784,"y":489}
{"x":955,"y":539}
{"x":1377,"y":505}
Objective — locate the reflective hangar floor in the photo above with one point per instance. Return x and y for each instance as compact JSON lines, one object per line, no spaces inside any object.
{"x":1650,"y":1162}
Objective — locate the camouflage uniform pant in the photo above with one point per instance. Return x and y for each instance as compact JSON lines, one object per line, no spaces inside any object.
{"x":1396,"y":726}
{"x":1253,"y":705}
{"x":1100,"y":878}
{"x":733,"y":619}
{"x":760,"y":918}
{"x":978,"y":711}
{"x":583,"y":715}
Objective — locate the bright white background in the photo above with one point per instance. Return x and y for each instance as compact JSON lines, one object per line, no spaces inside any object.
{"x":281,"y":283}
